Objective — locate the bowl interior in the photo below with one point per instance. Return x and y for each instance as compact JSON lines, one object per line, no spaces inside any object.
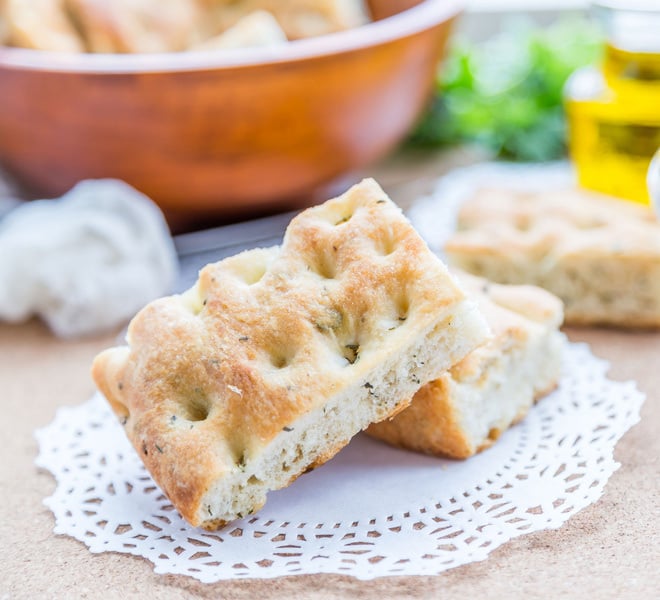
{"x":392,"y":19}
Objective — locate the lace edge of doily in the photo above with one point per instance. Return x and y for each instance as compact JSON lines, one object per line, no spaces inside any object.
{"x":607,"y":464}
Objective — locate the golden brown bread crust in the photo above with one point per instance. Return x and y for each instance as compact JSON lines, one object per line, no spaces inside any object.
{"x":600,"y":255}
{"x":523,"y":319}
{"x":427,"y":425}
{"x":212,"y":378}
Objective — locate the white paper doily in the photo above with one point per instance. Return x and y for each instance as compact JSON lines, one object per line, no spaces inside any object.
{"x":371,"y":511}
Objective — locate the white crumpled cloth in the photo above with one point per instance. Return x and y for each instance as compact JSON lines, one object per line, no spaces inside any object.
{"x":85,"y":262}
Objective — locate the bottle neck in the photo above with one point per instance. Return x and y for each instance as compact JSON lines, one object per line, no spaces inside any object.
{"x":632,"y":31}
{"x":630,"y":25}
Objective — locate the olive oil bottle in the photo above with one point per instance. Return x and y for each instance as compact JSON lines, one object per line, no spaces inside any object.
{"x":614,"y":111}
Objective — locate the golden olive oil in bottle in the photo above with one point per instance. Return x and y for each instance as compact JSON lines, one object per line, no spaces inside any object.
{"x":614,"y":111}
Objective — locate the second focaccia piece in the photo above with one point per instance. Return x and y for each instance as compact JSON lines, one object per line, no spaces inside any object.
{"x":469,"y":406}
{"x":276,"y":358}
{"x":600,"y":255}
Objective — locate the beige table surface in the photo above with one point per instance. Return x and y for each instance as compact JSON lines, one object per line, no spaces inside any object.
{"x":610,"y":550}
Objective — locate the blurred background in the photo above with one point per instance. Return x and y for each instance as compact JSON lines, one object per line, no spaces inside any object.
{"x":221,"y":115}
{"x":228,"y":134}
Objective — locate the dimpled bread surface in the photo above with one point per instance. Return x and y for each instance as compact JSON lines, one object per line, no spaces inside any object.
{"x":600,"y":255}
{"x":467,"y":408}
{"x":277,"y":357}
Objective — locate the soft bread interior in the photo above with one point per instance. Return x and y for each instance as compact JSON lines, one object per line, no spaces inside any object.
{"x":315,"y":437}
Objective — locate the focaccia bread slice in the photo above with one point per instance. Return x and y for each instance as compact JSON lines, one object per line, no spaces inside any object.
{"x":259,"y":28}
{"x":128,"y":26}
{"x":298,"y":18}
{"x":600,"y":255}
{"x":39,"y":25}
{"x":467,"y":408}
{"x":276,"y":358}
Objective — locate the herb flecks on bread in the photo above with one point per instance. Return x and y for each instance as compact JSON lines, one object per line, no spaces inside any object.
{"x":277,"y":357}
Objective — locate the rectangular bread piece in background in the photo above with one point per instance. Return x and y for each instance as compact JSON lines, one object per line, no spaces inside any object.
{"x":600,"y":255}
{"x":277,"y":357}
{"x":467,"y":408}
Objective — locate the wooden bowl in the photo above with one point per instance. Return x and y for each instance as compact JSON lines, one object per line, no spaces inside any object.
{"x":210,"y":135}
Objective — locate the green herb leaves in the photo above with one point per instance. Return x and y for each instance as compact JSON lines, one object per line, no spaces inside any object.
{"x":506,"y":93}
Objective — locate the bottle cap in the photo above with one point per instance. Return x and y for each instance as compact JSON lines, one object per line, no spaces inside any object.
{"x":631,"y":25}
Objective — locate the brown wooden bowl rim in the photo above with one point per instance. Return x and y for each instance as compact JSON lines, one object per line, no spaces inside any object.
{"x":424,"y":16}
